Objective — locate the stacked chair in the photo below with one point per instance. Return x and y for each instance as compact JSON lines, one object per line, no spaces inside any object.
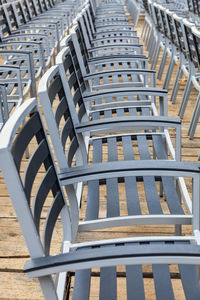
{"x":114,"y":148}
{"x":30,"y":38}
{"x":177,"y":33}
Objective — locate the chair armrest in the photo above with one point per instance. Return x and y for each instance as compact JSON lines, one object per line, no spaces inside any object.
{"x":115,"y":254}
{"x":127,"y":46}
{"x":119,"y":72}
{"x":136,"y":168}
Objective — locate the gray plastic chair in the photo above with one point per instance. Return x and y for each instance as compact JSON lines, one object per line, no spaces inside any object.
{"x":29,"y":194}
{"x":134,"y":139}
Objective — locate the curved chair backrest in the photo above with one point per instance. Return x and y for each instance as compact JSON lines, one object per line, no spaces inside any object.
{"x":33,"y":185}
{"x":193,"y":55}
{"x":196,"y":39}
{"x":55,"y":100}
{"x":183,"y":46}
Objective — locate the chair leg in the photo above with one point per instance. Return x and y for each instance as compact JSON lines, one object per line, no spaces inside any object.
{"x":185,"y":97}
{"x":143,"y":28}
{"x":150,"y":40}
{"x":148,"y":36}
{"x":145,"y":32}
{"x":195,"y":118}
{"x":48,"y":287}
{"x":162,"y":64}
{"x":156,"y":56}
{"x":176,"y":85}
{"x":152,"y":48}
{"x":169,"y":73}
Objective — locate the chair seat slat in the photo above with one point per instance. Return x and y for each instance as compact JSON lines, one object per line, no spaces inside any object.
{"x":149,"y":181}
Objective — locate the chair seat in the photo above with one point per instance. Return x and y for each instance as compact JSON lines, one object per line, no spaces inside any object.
{"x":118,"y":281}
{"x":130,"y":196}
{"x":159,"y":281}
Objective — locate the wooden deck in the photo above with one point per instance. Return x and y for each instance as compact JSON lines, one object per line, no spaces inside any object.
{"x":13,"y":253}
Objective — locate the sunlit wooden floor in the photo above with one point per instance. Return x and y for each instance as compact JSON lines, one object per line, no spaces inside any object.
{"x":13,"y":253}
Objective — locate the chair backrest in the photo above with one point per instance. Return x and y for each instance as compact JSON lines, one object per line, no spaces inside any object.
{"x":198,"y":6}
{"x":193,"y":6}
{"x":158,"y":18}
{"x":152,"y":12}
{"x":59,"y":107}
{"x":196,"y":39}
{"x":183,"y":46}
{"x":93,"y":7}
{"x":87,"y":25}
{"x":26,"y":10}
{"x":31,"y":181}
{"x":90,"y":19}
{"x":10,"y":19}
{"x":77,"y":41}
{"x":42,"y":7}
{"x":34,"y":187}
{"x":193,"y":55}
{"x":190,"y":5}
{"x":83,"y":31}
{"x":74,"y":51}
{"x":20,"y":12}
{"x":69,"y":76}
{"x":172,"y":28}
{"x":164,"y":22}
{"x":32,"y":8}
{"x":47,"y":4}
{"x":39,"y":7}
{"x":146,"y":7}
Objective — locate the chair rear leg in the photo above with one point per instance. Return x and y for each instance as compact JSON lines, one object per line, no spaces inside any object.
{"x":156,"y":56}
{"x":153,"y":47}
{"x":143,"y":28}
{"x":185,"y":97}
{"x":162,"y":64}
{"x":169,"y":73}
{"x":195,"y":118}
{"x":176,"y":85}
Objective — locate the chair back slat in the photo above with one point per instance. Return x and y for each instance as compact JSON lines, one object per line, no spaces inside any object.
{"x":62,"y":110}
{"x":48,"y":181}
{"x":72,"y":80}
{"x":30,"y":129}
{"x":67,"y":131}
{"x":72,"y":150}
{"x":36,"y":161}
{"x":54,"y":87}
{"x":51,"y":220}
